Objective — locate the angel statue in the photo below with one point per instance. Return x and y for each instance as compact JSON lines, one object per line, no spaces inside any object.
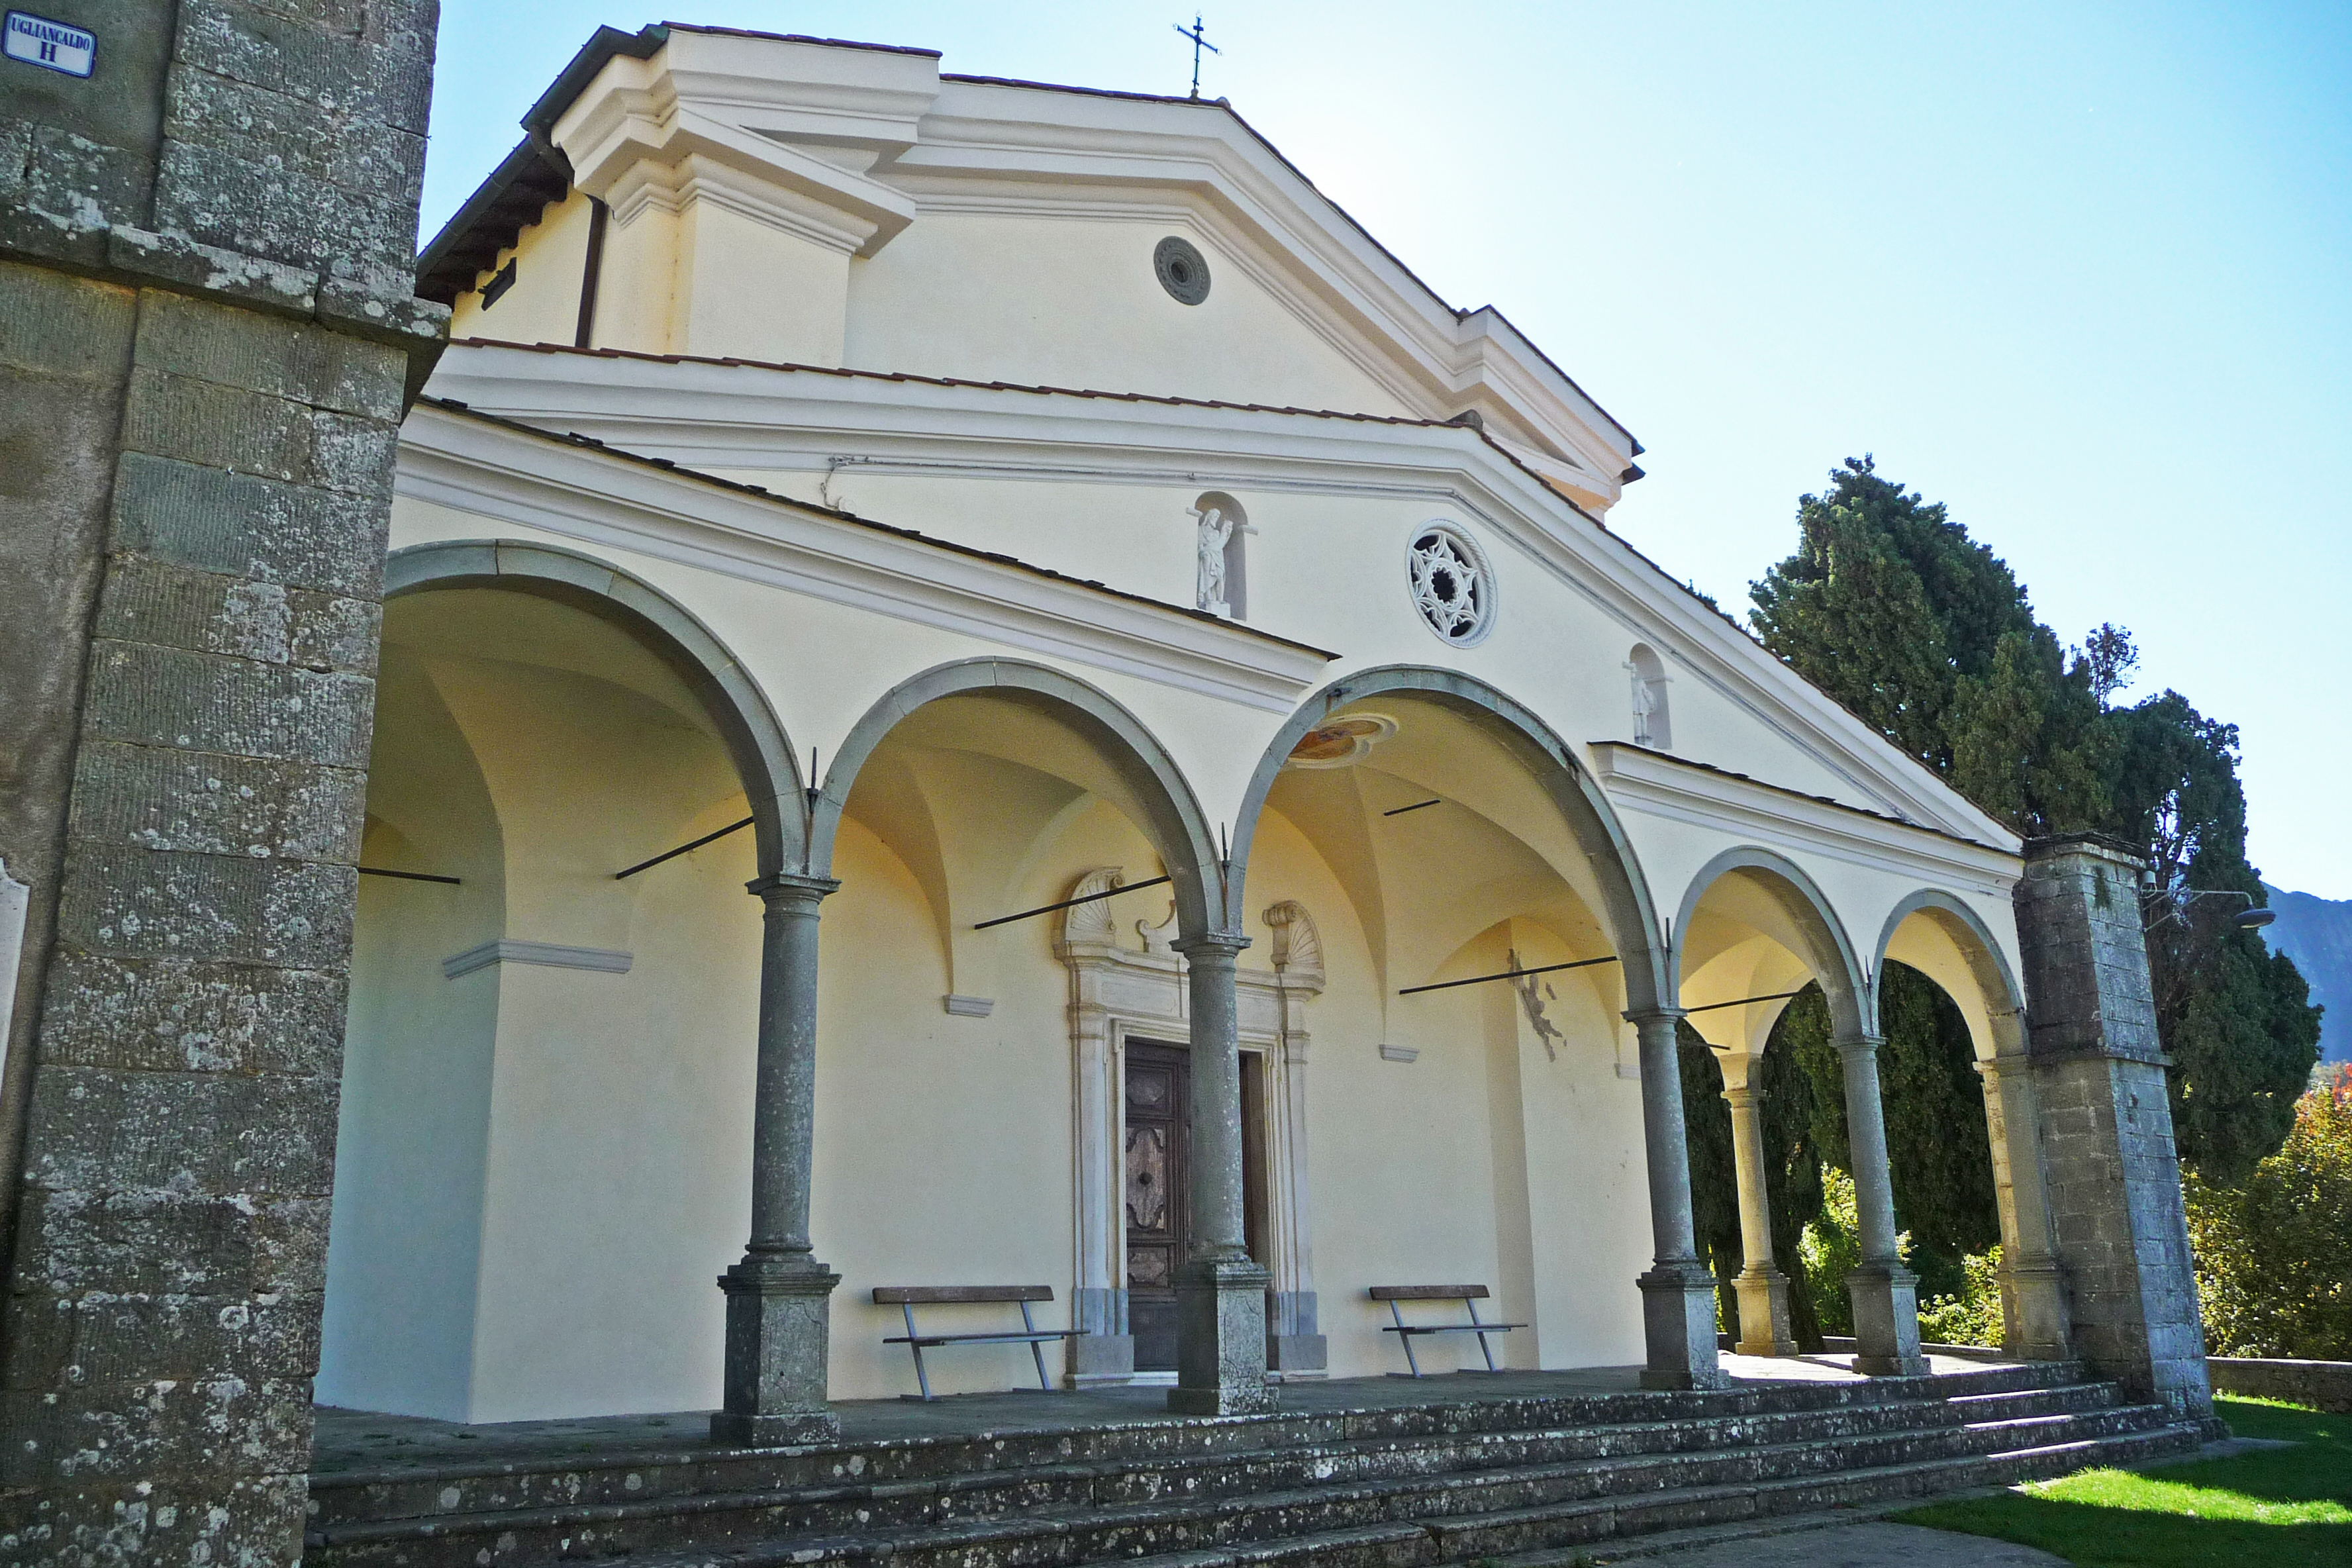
{"x":1216,"y":531}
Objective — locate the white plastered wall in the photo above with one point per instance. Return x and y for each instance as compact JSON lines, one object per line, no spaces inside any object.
{"x":551,"y":264}
{"x":1072,"y":300}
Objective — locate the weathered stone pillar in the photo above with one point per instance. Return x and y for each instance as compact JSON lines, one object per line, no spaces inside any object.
{"x":778,"y":1296}
{"x":1886,"y":1295}
{"x":2121,"y":1231}
{"x":1762,"y":1289}
{"x":2033,"y":1310}
{"x":208,"y":331}
{"x":1678,"y":1292}
{"x":1219,"y":1291}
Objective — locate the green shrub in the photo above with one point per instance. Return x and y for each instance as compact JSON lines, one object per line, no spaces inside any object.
{"x":2274,"y":1254}
{"x":1829,"y":1249}
{"x":1972,"y":1317}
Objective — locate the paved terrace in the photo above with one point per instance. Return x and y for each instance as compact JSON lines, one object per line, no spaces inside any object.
{"x":347,"y":1441}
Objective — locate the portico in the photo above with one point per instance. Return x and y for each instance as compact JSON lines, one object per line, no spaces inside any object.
{"x":1207,"y":855}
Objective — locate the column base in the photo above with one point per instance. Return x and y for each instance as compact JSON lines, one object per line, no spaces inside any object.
{"x":1678,"y":1327}
{"x":1885,"y":1298}
{"x":1221,"y":1338}
{"x":2036,"y":1316}
{"x":1295,"y":1345}
{"x":807,"y":1428}
{"x":778,"y":1312}
{"x":1764,"y":1313}
{"x":1099,"y":1359}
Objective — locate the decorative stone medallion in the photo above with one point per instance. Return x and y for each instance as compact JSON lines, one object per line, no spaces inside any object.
{"x":1183,"y":271}
{"x":1452,"y":584}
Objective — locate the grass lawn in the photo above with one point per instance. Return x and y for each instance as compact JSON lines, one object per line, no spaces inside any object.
{"x":2275,"y":1508}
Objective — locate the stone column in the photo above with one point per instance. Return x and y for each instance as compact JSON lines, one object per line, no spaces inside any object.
{"x":2116,"y":1216}
{"x":1885,"y":1294}
{"x":1763,"y":1289}
{"x":2034,"y":1309}
{"x":778,"y":1296}
{"x":1678,"y":1292}
{"x":1220,"y":1290}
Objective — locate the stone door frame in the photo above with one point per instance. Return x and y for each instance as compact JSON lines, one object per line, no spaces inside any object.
{"x":1118,"y":993}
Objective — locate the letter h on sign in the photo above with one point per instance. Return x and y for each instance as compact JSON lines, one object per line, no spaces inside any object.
{"x":52,"y":46}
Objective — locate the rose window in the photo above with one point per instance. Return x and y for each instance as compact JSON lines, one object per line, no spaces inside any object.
{"x":1452,"y":586}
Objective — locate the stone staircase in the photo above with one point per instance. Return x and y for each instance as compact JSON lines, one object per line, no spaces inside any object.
{"x":1447,"y":1480}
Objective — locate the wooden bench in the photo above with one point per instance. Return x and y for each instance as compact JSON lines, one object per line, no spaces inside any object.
{"x":910,"y":1297}
{"x":1468,"y":1295}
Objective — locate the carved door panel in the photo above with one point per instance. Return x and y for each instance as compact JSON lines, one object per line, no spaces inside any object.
{"x":1159,"y":1141}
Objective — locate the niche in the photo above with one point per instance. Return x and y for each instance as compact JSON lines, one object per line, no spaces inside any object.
{"x":1653,"y":724}
{"x":1222,"y":555}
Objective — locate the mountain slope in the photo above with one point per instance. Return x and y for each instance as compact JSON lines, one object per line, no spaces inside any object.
{"x":2317,"y":934}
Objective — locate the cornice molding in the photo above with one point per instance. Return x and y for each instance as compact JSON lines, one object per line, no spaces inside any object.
{"x":546,"y":954}
{"x":1117,"y":157}
{"x":542,"y":483}
{"x":795,"y":148}
{"x":1638,"y":778}
{"x":728,"y":415}
{"x":876,"y":136}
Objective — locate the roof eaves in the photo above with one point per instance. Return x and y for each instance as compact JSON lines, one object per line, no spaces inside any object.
{"x":500,"y":208}
{"x":912,"y":378}
{"x":589,"y":443}
{"x":1803,"y":794}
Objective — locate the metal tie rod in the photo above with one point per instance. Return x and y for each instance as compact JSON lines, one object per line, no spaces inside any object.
{"x":1416,"y":805}
{"x":407,"y":875}
{"x":674,"y":854}
{"x":1068,"y":903}
{"x":1507,"y":974}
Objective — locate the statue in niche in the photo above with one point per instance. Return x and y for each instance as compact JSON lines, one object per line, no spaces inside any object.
{"x":1216,"y":531}
{"x":1645,"y":703}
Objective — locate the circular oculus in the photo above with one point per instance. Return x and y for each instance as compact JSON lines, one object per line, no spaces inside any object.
{"x":1184,"y":271}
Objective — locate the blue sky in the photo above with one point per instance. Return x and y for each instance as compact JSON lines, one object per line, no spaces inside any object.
{"x":2082,"y":272}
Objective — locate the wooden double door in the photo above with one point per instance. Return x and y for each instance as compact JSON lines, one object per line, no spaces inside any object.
{"x":1158,"y":1188}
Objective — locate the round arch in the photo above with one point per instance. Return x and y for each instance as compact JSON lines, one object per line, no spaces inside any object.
{"x":1827,"y":951}
{"x":1630,"y":912}
{"x":755,"y":739}
{"x":1172,"y":814}
{"x":1973,"y":941}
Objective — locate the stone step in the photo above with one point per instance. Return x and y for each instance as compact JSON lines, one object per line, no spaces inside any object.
{"x":849,"y":1472}
{"x":1050,"y":1524}
{"x":1693,"y":1515}
{"x":1215,"y":1473}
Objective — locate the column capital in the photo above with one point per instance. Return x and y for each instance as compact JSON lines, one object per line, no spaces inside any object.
{"x":1741,"y":1097}
{"x":1849,"y":1044}
{"x":1653,"y":1016}
{"x":791,"y":888}
{"x":1212,"y":946}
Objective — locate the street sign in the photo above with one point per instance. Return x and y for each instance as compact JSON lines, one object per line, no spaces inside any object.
{"x":52,"y":46}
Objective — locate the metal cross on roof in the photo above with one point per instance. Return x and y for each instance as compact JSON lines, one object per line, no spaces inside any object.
{"x":1199,"y":43}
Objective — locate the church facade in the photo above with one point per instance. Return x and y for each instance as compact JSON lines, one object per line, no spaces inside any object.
{"x":1228,"y":824}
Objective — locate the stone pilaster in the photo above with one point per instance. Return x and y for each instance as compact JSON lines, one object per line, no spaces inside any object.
{"x":2036,"y":1321}
{"x":2121,"y":1231}
{"x":207,"y":336}
{"x":778,"y":1296}
{"x":1678,"y":1291}
{"x":1220,"y":1340}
